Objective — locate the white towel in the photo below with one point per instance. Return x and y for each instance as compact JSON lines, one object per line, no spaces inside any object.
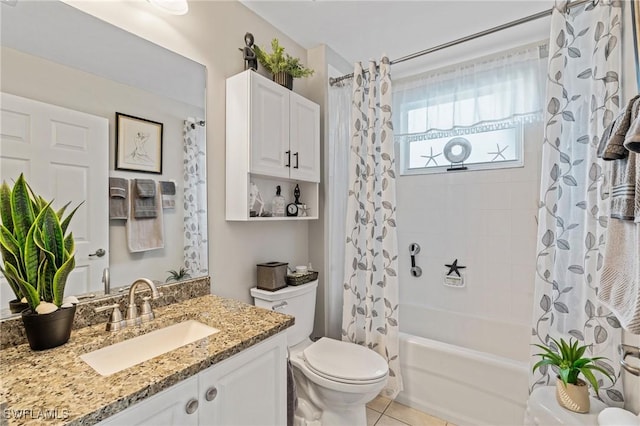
{"x":146,"y":233}
{"x":620,"y":280}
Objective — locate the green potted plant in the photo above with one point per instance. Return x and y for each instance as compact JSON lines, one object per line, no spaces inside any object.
{"x":283,"y":67}
{"x":37,"y":259}
{"x":181,"y":274}
{"x":572,"y":392}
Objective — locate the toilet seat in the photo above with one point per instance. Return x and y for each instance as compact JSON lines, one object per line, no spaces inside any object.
{"x":345,"y":362}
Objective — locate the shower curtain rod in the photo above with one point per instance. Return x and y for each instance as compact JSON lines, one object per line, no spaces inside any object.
{"x":544,"y":13}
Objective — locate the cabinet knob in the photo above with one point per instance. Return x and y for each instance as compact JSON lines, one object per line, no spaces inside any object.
{"x":192,"y":406}
{"x":211,"y":394}
{"x":288,"y":154}
{"x":297,"y":162}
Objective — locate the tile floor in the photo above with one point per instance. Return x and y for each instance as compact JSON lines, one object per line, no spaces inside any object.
{"x":384,"y":412}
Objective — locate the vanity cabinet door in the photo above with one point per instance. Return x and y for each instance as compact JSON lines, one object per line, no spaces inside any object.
{"x":248,"y":389}
{"x":173,"y":406}
{"x":304,"y":138}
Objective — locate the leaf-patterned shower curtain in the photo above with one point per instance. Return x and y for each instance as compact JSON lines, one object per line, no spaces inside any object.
{"x":370,"y":309}
{"x":583,"y":97}
{"x":195,"y":198}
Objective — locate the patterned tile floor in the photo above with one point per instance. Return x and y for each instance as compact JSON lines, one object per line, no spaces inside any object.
{"x":384,"y":412}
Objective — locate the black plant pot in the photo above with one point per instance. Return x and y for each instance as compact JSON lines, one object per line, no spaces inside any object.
{"x":17,"y":306}
{"x":283,"y":79}
{"x":46,"y":331}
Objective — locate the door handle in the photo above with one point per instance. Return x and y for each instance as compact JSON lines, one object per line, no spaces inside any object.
{"x":296,"y":155}
{"x":288,"y":153}
{"x":99,"y":253}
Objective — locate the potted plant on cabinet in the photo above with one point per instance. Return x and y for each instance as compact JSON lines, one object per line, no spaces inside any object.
{"x":572,"y":392}
{"x":37,"y":259}
{"x":283,"y":67}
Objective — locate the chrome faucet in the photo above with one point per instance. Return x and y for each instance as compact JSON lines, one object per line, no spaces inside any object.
{"x":132,"y":317}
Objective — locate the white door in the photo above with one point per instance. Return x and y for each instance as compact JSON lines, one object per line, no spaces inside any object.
{"x":269,"y":128}
{"x":64,"y":155}
{"x":304,"y":140}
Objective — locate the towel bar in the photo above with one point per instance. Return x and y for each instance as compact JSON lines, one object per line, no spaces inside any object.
{"x":628,"y":350}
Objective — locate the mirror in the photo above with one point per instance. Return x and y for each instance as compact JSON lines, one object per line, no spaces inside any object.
{"x":58,"y":55}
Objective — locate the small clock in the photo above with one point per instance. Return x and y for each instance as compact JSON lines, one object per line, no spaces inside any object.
{"x":292,"y":209}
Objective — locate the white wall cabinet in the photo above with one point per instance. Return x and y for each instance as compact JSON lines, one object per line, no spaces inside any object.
{"x":272,"y":138}
{"x":249,"y":388}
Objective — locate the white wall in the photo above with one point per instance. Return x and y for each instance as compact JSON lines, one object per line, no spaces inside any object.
{"x":36,"y":78}
{"x":211,"y":34}
{"x":486,"y":220}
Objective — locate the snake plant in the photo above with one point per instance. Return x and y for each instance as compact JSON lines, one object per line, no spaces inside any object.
{"x":37,"y":256}
{"x":570,"y":362}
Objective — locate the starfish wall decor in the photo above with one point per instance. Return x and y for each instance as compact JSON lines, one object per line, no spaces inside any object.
{"x":454,"y":268}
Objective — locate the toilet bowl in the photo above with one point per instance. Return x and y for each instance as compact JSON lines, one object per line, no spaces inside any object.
{"x":334,"y":379}
{"x":544,"y":410}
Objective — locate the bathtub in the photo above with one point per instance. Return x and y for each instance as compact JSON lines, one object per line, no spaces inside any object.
{"x":467,"y":370}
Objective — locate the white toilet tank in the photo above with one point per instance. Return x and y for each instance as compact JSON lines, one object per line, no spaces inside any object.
{"x":298,"y":301}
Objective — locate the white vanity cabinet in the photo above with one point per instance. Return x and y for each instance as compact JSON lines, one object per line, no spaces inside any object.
{"x":248,"y":388}
{"x":272,"y":138}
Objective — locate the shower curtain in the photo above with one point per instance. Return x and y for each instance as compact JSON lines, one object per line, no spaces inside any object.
{"x":195,"y":198}
{"x":370,"y":304}
{"x":583,"y":97}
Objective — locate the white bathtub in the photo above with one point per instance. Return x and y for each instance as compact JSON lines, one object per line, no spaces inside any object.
{"x":467,"y":370}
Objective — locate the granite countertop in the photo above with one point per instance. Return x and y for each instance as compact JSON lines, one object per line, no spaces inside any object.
{"x":58,"y":383}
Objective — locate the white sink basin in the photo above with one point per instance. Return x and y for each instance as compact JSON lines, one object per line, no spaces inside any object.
{"x":122,"y":355}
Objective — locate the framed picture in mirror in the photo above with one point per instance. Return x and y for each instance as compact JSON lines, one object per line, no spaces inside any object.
{"x":138,"y":144}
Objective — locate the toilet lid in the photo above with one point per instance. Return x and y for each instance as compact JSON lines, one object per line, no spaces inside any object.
{"x":344,"y":361}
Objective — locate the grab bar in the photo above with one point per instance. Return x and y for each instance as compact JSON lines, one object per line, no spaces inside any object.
{"x":625,"y":351}
{"x":414,"y":248}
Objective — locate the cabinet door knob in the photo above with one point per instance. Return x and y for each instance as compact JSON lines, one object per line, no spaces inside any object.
{"x":296,"y":155}
{"x":211,"y":394}
{"x":192,"y":406}
{"x":288,"y":159}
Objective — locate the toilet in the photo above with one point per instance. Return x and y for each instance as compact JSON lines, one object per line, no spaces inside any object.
{"x":334,"y":379}
{"x":544,"y":410}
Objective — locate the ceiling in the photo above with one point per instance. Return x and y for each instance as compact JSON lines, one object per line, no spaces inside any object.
{"x":359,"y":30}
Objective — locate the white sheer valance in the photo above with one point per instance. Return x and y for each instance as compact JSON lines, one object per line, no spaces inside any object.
{"x":508,"y":86}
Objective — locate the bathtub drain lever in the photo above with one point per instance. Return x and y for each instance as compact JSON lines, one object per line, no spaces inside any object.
{"x":414,"y":248}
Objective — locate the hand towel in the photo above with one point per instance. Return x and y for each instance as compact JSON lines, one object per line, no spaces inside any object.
{"x":625,"y":200}
{"x":144,"y":199}
{"x":168,"y":190}
{"x":146,"y":233}
{"x":620,"y":280}
{"x":118,"y":198}
{"x":614,"y":148}
{"x":632,"y":140}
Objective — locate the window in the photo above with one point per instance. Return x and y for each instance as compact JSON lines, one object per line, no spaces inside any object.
{"x":469,"y":116}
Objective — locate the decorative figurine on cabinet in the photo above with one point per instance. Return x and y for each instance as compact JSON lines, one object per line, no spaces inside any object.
{"x":249,"y":55}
